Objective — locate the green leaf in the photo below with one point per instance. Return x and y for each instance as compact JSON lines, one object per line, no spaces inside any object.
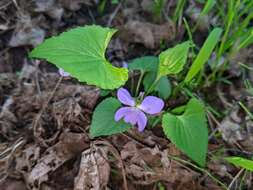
{"x":204,"y":54}
{"x":103,"y":122}
{"x":81,"y":52}
{"x":149,"y":65}
{"x":208,"y":6}
{"x":144,"y":64}
{"x":162,"y":87}
{"x":189,"y":131}
{"x":178,"y":110}
{"x":241,"y":162}
{"x":173,"y":59}
{"x":104,"y":93}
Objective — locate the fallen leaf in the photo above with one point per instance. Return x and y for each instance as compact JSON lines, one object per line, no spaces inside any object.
{"x":69,"y":146}
{"x":27,"y":33}
{"x":50,"y":7}
{"x":148,"y":34}
{"x":94,"y":170}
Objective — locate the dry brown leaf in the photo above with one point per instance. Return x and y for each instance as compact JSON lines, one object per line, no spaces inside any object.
{"x":75,"y":5}
{"x":231,"y":129}
{"x":12,"y":184}
{"x":148,"y":165}
{"x":27,"y":33}
{"x":148,"y":34}
{"x":94,"y":170}
{"x":50,"y":7}
{"x":69,"y":146}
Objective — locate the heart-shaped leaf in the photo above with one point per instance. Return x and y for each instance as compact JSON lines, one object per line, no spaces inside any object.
{"x":173,"y":59}
{"x":103,"y":122}
{"x":189,"y":131}
{"x":81,"y":52}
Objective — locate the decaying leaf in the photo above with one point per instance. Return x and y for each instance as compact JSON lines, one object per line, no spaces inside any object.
{"x":94,"y":170}
{"x":50,"y":7}
{"x":27,"y":33}
{"x":143,"y":166}
{"x":230,"y":128}
{"x":148,"y":34}
{"x":236,"y":130}
{"x":12,"y":184}
{"x":69,"y":146}
{"x":75,"y":5}
{"x":55,"y":8}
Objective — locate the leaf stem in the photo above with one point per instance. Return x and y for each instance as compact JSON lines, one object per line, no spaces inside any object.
{"x":151,"y":88}
{"x":132,"y":82}
{"x":176,"y":90}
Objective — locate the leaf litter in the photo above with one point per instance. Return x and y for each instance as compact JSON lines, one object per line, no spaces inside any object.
{"x":60,"y":140}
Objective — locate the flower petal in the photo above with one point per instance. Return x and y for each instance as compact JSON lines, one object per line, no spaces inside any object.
{"x":125,"y":97}
{"x":136,"y":116}
{"x":152,"y":105}
{"x":63,"y":73}
{"x":141,"y":121}
{"x":121,"y":112}
{"x":124,"y":64}
{"x":132,"y":116}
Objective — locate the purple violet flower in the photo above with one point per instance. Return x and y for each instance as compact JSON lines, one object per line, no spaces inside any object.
{"x":124,"y":64}
{"x":133,"y":113}
{"x":63,"y":73}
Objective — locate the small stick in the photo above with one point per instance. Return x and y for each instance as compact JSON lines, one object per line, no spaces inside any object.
{"x":234,"y":179}
{"x":35,"y":123}
{"x":112,"y":16}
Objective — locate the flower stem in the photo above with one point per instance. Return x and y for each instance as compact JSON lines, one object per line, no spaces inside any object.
{"x":151,"y":88}
{"x":132,"y":82}
{"x":139,"y":83}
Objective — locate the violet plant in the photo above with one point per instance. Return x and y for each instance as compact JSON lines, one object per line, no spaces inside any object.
{"x":80,"y":53}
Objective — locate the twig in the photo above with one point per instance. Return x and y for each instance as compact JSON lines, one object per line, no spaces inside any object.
{"x":216,"y":122}
{"x":6,"y":5}
{"x":235,"y":178}
{"x":246,"y":110}
{"x":35,"y":123}
{"x":16,"y":4}
{"x":200,"y":169}
{"x":222,"y":98}
{"x":112,"y":16}
{"x":91,"y":16}
{"x":7,"y":155}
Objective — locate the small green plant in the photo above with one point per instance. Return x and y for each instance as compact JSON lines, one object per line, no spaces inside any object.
{"x":178,"y":13}
{"x":80,"y":52}
{"x":236,"y":17}
{"x":158,"y":6}
{"x":241,"y":162}
{"x":204,"y":54}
